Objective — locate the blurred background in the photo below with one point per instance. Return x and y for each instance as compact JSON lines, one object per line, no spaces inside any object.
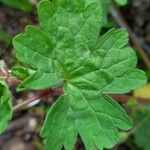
{"x":23,"y":131}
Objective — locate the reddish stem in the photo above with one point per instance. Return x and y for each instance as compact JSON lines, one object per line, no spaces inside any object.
{"x":125,"y":98}
{"x":13,"y":81}
{"x":41,"y":95}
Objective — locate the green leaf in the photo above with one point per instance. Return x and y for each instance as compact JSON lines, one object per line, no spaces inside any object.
{"x":66,"y":50}
{"x":121,"y":2}
{"x":5,"y":106}
{"x":41,"y":60}
{"x":64,"y":18}
{"x":40,"y":80}
{"x":24,"y":5}
{"x":21,"y":72}
{"x":94,"y":119}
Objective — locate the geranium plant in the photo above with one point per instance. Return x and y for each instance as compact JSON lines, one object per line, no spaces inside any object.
{"x":66,"y":51}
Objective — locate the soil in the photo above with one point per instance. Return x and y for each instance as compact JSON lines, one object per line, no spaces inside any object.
{"x":13,"y":22}
{"x":137,"y":14}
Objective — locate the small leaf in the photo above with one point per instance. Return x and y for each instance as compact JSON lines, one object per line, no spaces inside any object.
{"x":121,"y":2}
{"x":5,"y":106}
{"x":21,"y":72}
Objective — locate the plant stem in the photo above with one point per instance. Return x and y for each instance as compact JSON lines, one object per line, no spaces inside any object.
{"x":41,"y":95}
{"x":12,"y":81}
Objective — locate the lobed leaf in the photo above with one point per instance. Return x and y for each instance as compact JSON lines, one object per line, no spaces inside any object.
{"x":47,"y":67}
{"x":21,"y":72}
{"x":66,"y":50}
{"x":78,"y":18}
{"x":93,"y":119}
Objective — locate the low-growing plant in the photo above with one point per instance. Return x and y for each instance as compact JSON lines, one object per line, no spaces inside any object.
{"x":66,"y":51}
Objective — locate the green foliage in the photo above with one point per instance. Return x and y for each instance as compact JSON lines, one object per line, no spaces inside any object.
{"x":121,"y":2}
{"x":142,"y":132}
{"x":21,"y":72}
{"x":24,"y":5}
{"x":66,"y":50}
{"x":93,"y":117}
{"x":5,"y":106}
